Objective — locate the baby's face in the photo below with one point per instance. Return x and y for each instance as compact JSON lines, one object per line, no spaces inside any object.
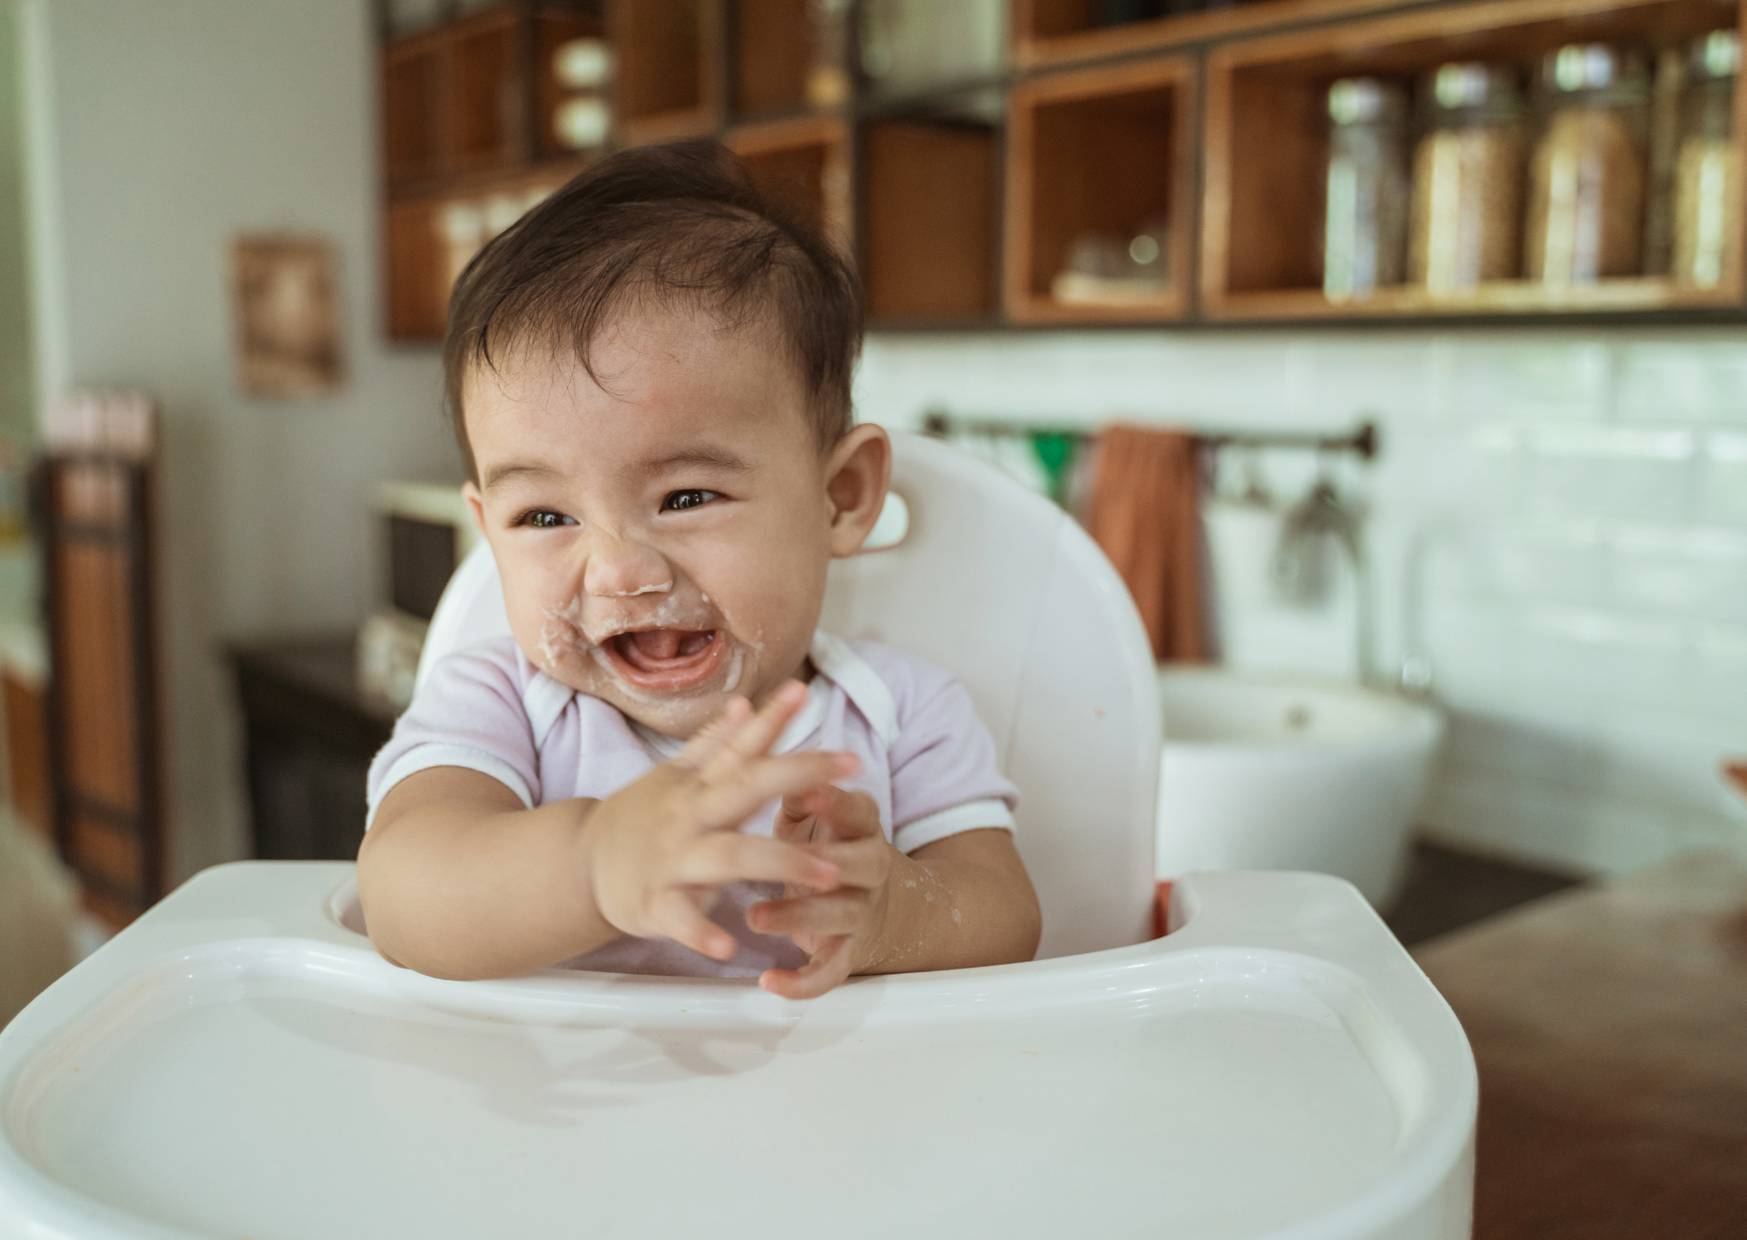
{"x":662,"y":539}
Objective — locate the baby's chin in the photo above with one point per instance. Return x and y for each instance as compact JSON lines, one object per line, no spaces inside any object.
{"x":680,"y":718}
{"x":671,"y":714}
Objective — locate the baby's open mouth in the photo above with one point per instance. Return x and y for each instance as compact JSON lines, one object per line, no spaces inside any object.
{"x":666,"y":659}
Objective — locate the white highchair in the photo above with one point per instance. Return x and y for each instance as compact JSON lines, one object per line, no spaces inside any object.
{"x":240,"y":1062}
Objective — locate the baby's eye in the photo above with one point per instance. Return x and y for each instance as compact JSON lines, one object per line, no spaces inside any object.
{"x":544,"y":519}
{"x":681,"y":501}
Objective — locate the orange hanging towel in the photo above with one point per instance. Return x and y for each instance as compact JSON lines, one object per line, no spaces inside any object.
{"x":1145,"y":511}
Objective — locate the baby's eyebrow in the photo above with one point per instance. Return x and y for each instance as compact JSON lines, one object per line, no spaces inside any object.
{"x":706,"y":457}
{"x":515,"y":469}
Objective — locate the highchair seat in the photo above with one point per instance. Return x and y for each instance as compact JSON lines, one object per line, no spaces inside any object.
{"x":240,"y":1061}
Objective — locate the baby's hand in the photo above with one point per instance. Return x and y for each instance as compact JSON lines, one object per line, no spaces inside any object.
{"x":656,"y":851}
{"x":837,"y":928}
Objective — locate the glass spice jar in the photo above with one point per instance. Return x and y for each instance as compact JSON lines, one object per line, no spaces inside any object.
{"x":1707,"y":182}
{"x":1589,"y":169}
{"x":828,"y":65}
{"x":1366,"y":199}
{"x":1467,"y":178}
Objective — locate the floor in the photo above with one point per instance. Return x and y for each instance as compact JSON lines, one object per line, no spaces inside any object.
{"x":38,"y":913}
{"x":1609,"y":1025}
{"x":1447,"y":890}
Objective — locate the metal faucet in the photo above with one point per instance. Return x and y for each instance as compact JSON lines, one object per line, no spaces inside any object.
{"x":1295,"y":565}
{"x":1416,"y":676}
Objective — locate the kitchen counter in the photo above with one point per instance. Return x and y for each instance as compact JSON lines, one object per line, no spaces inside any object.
{"x":1610,"y":1026}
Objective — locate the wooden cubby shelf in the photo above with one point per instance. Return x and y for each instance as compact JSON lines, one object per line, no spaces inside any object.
{"x":773,"y":62}
{"x":667,"y":77}
{"x":926,"y":221}
{"x":1260,"y":247}
{"x":1047,"y":33}
{"x":1202,"y":138}
{"x":803,"y":164}
{"x":461,"y":105}
{"x":1100,"y":151}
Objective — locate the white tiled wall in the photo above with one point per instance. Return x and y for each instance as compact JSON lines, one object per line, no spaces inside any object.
{"x":1558,"y":522}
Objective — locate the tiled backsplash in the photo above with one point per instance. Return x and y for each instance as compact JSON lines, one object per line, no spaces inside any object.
{"x":1558,"y":522}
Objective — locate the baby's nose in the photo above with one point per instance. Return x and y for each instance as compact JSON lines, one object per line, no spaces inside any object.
{"x":624,"y":568}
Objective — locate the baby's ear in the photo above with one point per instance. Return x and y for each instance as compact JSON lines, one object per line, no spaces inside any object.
{"x":856,"y":476}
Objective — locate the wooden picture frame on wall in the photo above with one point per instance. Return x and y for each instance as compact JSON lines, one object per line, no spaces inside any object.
{"x":288,"y":320}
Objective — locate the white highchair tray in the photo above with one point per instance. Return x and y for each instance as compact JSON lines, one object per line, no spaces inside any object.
{"x":240,"y":1063}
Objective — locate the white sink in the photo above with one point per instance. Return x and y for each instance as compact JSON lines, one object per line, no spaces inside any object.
{"x":1289,"y":773}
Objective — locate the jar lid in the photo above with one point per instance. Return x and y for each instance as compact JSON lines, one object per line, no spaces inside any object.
{"x":1361,"y":101}
{"x":1593,"y":66}
{"x":583,"y":64}
{"x":1472,"y":84}
{"x":1715,"y":55}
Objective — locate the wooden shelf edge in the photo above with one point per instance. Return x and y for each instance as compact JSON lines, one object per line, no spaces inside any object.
{"x":929,"y":97}
{"x":1031,"y":309}
{"x":669,"y":126}
{"x":1090,"y":46}
{"x":419,"y":42}
{"x":787,"y":134}
{"x":968,"y":323}
{"x":1358,"y":39}
{"x":1518,"y":298}
{"x":777,"y":116}
{"x":1163,"y":71}
{"x":483,"y":181}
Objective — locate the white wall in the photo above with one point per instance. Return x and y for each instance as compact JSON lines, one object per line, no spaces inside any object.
{"x":170,"y":127}
{"x":1576,"y":507}
{"x":16,"y":366}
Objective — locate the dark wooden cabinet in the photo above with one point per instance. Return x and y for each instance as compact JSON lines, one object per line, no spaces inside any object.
{"x":309,"y":733}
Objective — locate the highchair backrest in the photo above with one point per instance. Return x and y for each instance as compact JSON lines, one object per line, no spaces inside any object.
{"x":1003,"y":588}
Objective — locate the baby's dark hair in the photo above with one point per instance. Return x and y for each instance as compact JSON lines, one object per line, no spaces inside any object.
{"x":679,"y":223}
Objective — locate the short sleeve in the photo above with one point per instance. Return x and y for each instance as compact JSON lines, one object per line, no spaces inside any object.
{"x":945,"y":779}
{"x":470,"y":714}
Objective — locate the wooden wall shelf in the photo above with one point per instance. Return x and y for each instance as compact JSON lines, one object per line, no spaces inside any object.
{"x":1641,"y":295}
{"x":962,"y":199}
{"x":926,"y":219}
{"x":1260,"y":249}
{"x":1101,"y":150}
{"x":774,"y":67}
{"x":1048,"y":33}
{"x":804,"y":164}
{"x":463,"y":99}
{"x":667,"y":78}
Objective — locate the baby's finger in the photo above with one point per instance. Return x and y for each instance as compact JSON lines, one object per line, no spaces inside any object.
{"x":864,"y":863}
{"x":711,"y":737}
{"x":847,"y":815}
{"x":680,"y":920}
{"x":828,"y":967}
{"x":838,"y":912}
{"x":755,"y":736}
{"x":729,"y":802}
{"x":729,"y":857}
{"x":794,"y":820}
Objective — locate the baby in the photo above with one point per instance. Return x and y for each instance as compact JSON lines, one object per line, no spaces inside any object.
{"x":666,"y":767}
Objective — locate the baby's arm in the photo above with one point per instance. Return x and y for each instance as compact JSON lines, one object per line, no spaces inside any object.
{"x":458,"y":880}
{"x":971,"y":903}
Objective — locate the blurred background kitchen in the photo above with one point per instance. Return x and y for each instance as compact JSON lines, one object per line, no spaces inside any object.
{"x":1422,"y":323}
